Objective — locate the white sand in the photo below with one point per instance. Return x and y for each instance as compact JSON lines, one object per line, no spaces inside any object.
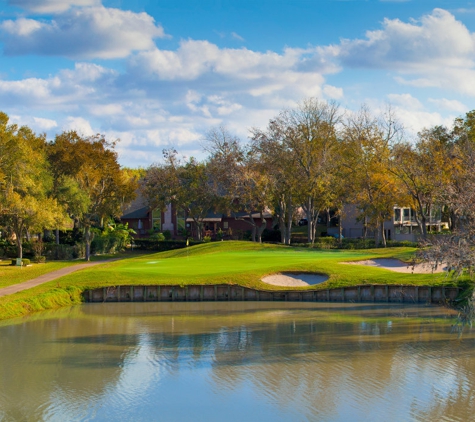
{"x":397,"y":265}
{"x":294,"y":280}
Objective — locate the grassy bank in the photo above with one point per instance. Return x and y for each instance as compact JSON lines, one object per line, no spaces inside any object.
{"x":242,"y":263}
{"x":10,"y":275}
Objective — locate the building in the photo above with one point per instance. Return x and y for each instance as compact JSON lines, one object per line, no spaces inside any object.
{"x":402,"y":226}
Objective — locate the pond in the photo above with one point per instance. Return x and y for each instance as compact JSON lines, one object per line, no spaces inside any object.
{"x":237,"y":361}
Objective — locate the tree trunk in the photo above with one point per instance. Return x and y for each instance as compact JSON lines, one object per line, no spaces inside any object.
{"x":87,"y":239}
{"x":57,"y":236}
{"x":383,"y":235}
{"x":377,"y":235}
{"x":19,"y":246}
{"x":288,"y":234}
{"x":261,"y":228}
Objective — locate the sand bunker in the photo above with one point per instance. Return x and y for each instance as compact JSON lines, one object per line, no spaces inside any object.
{"x":397,"y":265}
{"x":294,"y":279}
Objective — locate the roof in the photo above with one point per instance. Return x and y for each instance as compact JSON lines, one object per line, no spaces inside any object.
{"x":138,"y":208}
{"x":216,"y":218}
{"x":136,"y":214}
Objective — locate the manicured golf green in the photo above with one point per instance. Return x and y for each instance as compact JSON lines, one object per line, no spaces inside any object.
{"x":242,"y":263}
{"x":245,"y":263}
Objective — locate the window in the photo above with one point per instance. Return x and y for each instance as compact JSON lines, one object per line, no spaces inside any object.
{"x":157,"y":220}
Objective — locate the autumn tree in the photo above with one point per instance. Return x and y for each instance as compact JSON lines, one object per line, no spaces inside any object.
{"x":366,"y":158}
{"x":186,"y":186}
{"x":26,"y":203}
{"x":274,"y":159}
{"x":422,"y":170}
{"x":88,"y":166}
{"x":310,"y":135}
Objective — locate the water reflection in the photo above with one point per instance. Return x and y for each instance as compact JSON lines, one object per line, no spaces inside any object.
{"x":235,"y":361}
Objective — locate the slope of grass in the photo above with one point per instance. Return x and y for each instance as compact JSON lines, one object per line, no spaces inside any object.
{"x":242,"y":263}
{"x":246,"y":263}
{"x":12,"y":275}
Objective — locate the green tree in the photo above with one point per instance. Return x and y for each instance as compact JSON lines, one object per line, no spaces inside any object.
{"x":310,"y":136}
{"x":186,"y":186}
{"x":366,"y":159}
{"x":26,"y":203}
{"x":89,"y":165}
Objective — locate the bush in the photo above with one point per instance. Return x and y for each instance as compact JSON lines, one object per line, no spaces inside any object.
{"x":40,"y":259}
{"x":161,"y":246}
{"x":167,"y":234}
{"x":65,"y":252}
{"x":24,"y":262}
{"x":207,"y":239}
{"x":157,"y":236}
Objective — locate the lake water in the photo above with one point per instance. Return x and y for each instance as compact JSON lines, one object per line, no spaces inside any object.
{"x":237,"y":362}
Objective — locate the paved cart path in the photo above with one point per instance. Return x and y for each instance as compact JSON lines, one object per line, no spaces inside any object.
{"x":53,"y":275}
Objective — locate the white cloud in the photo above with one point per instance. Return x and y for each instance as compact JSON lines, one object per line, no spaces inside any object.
{"x":437,"y":50}
{"x":435,"y":39}
{"x":44,"y":124}
{"x":80,"y":125}
{"x":51,"y":6}
{"x":91,"y":32}
{"x":406,"y":101}
{"x":236,"y":36}
{"x":451,"y":105}
{"x":196,"y":58}
{"x":66,"y":90}
{"x":333,"y":92}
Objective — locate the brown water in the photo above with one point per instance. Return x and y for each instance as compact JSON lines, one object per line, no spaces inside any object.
{"x":237,"y":362}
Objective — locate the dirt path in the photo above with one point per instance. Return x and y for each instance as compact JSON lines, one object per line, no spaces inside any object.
{"x":53,"y":275}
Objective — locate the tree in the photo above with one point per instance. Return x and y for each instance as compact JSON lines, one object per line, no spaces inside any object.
{"x":456,"y":249}
{"x":275,"y":161}
{"x":423,"y":172}
{"x":25,"y":181}
{"x":90,"y":166}
{"x":366,"y":159}
{"x":185,"y":186}
{"x":310,"y":136}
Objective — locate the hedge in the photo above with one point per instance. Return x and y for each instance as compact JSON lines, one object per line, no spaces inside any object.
{"x":161,"y":245}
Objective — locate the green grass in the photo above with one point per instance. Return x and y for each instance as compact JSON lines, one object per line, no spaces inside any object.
{"x":12,"y":275}
{"x":245,"y":263}
{"x":242,"y":263}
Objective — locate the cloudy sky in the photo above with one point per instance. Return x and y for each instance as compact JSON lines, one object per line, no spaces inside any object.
{"x":159,"y":73}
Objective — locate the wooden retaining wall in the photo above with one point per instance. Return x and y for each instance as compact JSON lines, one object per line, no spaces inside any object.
{"x":362,"y":293}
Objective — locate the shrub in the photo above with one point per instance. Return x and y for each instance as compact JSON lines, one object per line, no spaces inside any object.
{"x":65,"y":252}
{"x":207,"y":239}
{"x":163,"y":245}
{"x":24,"y":262}
{"x":167,"y":234}
{"x":157,"y":236}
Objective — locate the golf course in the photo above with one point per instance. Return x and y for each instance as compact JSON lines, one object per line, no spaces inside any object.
{"x":237,"y":263}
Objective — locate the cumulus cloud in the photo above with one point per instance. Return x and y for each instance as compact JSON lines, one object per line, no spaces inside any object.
{"x":195,"y":58}
{"x":68,"y":89}
{"x":44,"y":124}
{"x":51,"y":6}
{"x":91,"y":32}
{"x":437,"y":49}
{"x":437,"y":38}
{"x":451,"y":105}
{"x":80,"y":125}
{"x":406,"y":101}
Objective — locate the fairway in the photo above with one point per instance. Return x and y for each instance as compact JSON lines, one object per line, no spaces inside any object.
{"x":246,"y":263}
{"x":236,"y":263}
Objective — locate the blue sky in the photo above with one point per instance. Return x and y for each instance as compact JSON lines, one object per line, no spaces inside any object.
{"x":160,"y":73}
